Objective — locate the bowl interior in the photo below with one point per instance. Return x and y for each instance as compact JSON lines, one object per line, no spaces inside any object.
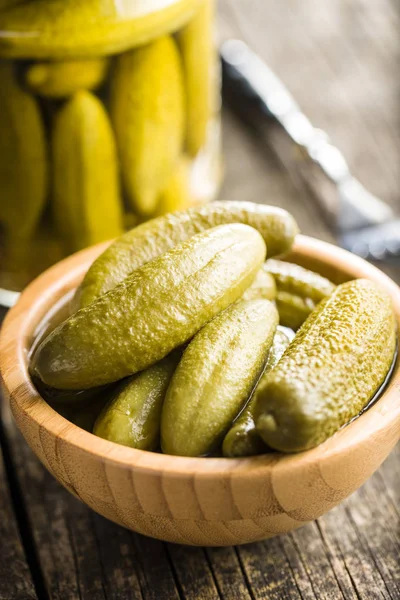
{"x":47,"y":293}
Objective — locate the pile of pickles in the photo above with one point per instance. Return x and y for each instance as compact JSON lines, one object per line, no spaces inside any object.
{"x":109,"y":116}
{"x":187,"y":336}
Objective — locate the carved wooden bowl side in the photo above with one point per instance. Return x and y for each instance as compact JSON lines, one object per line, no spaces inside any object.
{"x":204,"y":501}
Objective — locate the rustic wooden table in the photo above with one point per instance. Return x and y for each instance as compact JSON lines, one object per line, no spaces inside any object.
{"x":341,"y":61}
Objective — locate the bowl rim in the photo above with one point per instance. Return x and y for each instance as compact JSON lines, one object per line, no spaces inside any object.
{"x":22,"y":320}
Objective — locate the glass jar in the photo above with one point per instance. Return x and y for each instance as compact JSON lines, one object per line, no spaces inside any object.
{"x":109,"y":115}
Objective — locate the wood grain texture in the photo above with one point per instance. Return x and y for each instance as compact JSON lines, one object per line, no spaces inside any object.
{"x":15,"y":576}
{"x":339,"y":59}
{"x":342,"y":541}
{"x":195,"y":501}
{"x":353,"y":54}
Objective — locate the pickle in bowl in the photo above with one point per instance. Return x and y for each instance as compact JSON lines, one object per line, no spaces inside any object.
{"x":336,"y":362}
{"x":111,"y":117}
{"x":216,"y":376}
{"x":299,"y":291}
{"x":165,"y":303}
{"x":178,"y":328}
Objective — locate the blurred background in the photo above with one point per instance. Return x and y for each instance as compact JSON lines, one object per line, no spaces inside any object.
{"x":340,"y":61}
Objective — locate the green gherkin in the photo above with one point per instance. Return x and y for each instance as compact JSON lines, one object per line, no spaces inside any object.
{"x":262,"y":287}
{"x":62,"y":78}
{"x":243,"y":439}
{"x":148,"y":115}
{"x":58,"y":29}
{"x":298,"y":291}
{"x":133,"y":415}
{"x":86,"y":204}
{"x":23,"y":163}
{"x":199,"y":57}
{"x":153,"y":311}
{"x":216,"y":376}
{"x":152,"y":239}
{"x":337,"y":360}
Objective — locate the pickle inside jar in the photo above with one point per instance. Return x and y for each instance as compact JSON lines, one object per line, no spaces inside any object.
{"x":81,"y":190}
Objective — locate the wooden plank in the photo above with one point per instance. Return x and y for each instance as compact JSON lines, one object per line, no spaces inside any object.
{"x":126,"y":557}
{"x":307,"y":555}
{"x":346,"y":53}
{"x":253,"y":174}
{"x":376,"y":519}
{"x":340,"y":555}
{"x":268,"y":571}
{"x":339,"y":59}
{"x":351,"y":552}
{"x":195,"y":577}
{"x":228,"y":573}
{"x":82,"y":555}
{"x":362,"y":538}
{"x":15,"y":576}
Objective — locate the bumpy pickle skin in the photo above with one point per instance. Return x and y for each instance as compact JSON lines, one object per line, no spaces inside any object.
{"x":293,"y":310}
{"x":148,"y":115}
{"x":60,"y":79}
{"x":24,"y":161}
{"x":153,"y":311}
{"x":242,"y":439}
{"x":337,"y":360}
{"x":133,"y":415}
{"x":58,"y":29}
{"x":197,"y":46}
{"x":262,"y":287}
{"x":86,"y":205}
{"x":216,"y":376}
{"x":152,"y":239}
{"x":299,"y":290}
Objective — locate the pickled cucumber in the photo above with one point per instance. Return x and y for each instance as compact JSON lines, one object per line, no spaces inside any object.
{"x":147,"y":111}
{"x":299,"y":281}
{"x":152,"y":239}
{"x":298,"y":291}
{"x":58,"y":79}
{"x":58,"y":29}
{"x":288,"y":331}
{"x":23,"y":160}
{"x":86,"y":203}
{"x":242,"y":439}
{"x":176,"y":195}
{"x":262,"y":287}
{"x":293,"y":310}
{"x":216,"y":376}
{"x":156,"y":309}
{"x":133,"y":415}
{"x":197,"y":45}
{"x":330,"y":371}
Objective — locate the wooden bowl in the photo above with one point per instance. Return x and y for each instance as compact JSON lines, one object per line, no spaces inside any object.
{"x":198,"y":501}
